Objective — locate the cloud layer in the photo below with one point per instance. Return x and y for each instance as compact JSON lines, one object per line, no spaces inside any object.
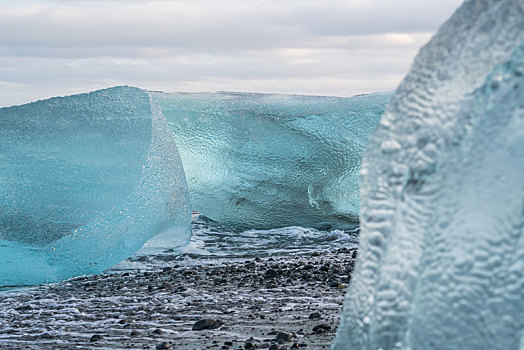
{"x":325,"y":47}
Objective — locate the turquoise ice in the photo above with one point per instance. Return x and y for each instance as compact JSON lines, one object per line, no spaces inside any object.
{"x":266,"y":161}
{"x":85,"y":181}
{"x":88,"y":179}
{"x":441,"y":260}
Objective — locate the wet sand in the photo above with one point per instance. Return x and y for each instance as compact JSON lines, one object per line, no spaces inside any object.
{"x":279,"y":302}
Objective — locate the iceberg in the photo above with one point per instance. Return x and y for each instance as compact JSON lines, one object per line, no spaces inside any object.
{"x":441,"y":260}
{"x":85,"y":182}
{"x":267,"y":160}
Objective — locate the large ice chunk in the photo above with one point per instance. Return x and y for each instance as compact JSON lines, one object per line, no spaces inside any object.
{"x":266,"y":161}
{"x":441,"y":262}
{"x":85,"y":181}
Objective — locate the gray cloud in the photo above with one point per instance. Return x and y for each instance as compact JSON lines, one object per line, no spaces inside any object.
{"x":311,"y":46}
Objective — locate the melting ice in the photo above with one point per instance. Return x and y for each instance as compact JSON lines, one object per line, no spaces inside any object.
{"x":265,"y":161}
{"x":85,"y":181}
{"x":441,"y":260}
{"x":88,"y":179}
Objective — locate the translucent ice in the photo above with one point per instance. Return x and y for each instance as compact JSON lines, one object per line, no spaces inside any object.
{"x":266,"y":161}
{"x":441,"y":262}
{"x":85,"y":181}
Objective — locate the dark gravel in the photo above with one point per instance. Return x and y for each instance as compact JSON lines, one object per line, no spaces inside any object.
{"x":280,"y":302}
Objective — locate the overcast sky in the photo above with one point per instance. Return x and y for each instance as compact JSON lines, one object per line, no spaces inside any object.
{"x":321,"y":47}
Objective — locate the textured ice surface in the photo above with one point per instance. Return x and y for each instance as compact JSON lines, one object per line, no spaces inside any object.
{"x":441,"y":261}
{"x":266,"y":161}
{"x":85,"y":181}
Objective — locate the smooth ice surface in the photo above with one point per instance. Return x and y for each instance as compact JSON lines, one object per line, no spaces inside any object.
{"x":85,"y":181}
{"x":441,"y":261}
{"x":265,"y":161}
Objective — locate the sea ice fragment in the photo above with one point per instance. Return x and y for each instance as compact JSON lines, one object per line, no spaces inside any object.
{"x":441,"y":260}
{"x":267,"y":160}
{"x":85,"y":181}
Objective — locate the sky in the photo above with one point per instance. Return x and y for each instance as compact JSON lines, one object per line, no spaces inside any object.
{"x":314,"y":47}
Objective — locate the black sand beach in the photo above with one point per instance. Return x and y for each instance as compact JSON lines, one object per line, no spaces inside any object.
{"x":276,"y":302}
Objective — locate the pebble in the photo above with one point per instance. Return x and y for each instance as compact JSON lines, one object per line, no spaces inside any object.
{"x":314,"y":315}
{"x":323,"y":327}
{"x":283,"y":336}
{"x":207,"y":323}
{"x":334,"y":284}
{"x":270,"y":273}
{"x":164,"y":345}
{"x":96,"y":337}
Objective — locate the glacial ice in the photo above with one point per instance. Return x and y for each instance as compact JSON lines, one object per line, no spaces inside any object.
{"x":266,"y":161}
{"x":441,"y":260}
{"x":85,"y":181}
